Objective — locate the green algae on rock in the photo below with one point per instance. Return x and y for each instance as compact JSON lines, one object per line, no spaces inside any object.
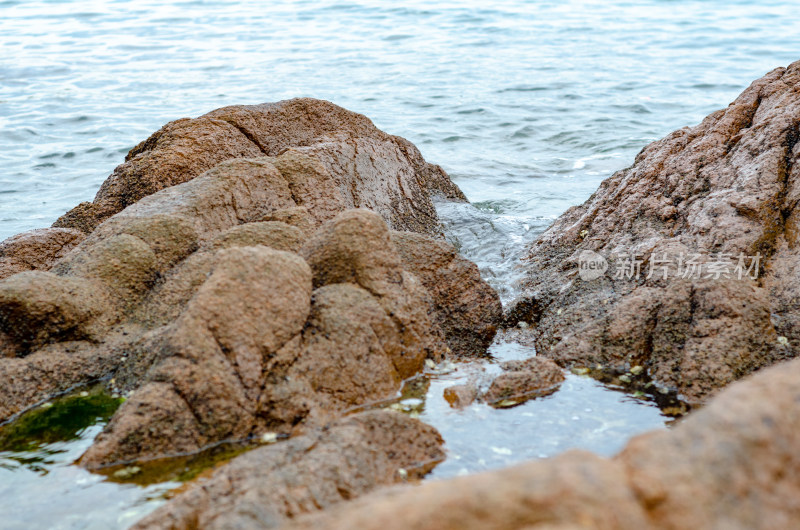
{"x":61,"y":419}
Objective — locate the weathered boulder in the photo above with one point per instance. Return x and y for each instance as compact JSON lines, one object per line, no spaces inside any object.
{"x":40,"y":308}
{"x":220,"y":325}
{"x":732,"y":464}
{"x":678,"y":232}
{"x":36,"y":249}
{"x":267,"y":486}
{"x":258,"y":339}
{"x":466,"y":308}
{"x":370,"y":169}
{"x":248,"y":299}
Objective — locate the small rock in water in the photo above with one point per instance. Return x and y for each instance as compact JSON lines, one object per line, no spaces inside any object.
{"x":127,"y":472}
{"x":636,"y":370}
{"x":412,"y":403}
{"x":269,"y":438}
{"x":84,"y":394}
{"x":625,"y":378}
{"x":442,"y":368}
{"x":582,"y":370}
{"x":459,"y":396}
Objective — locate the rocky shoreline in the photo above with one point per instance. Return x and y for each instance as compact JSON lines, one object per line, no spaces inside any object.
{"x":263,"y":272}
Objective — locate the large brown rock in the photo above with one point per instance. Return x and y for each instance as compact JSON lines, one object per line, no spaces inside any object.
{"x":573,"y":490}
{"x":370,"y":169}
{"x":267,"y":486}
{"x":732,"y":464}
{"x":725,"y":188}
{"x":229,"y":296}
{"x":247,"y":347}
{"x":246,"y":300}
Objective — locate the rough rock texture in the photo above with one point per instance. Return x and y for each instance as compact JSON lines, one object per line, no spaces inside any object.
{"x":460,"y":297}
{"x":267,"y":340}
{"x":573,"y":490}
{"x":523,"y":380}
{"x":370,"y":169}
{"x":710,"y":193}
{"x":460,"y":396}
{"x":267,"y":486}
{"x":245,"y":300}
{"x":732,"y":464}
{"x":36,"y":249}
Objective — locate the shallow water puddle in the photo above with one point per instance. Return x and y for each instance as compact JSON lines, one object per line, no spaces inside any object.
{"x":582,"y":413}
{"x":40,"y":487}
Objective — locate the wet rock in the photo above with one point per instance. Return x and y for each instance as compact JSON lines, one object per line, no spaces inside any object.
{"x":267,"y":486}
{"x":36,"y":249}
{"x":732,"y":464}
{"x":521,"y":381}
{"x":460,"y":396}
{"x":534,"y":377}
{"x":693,"y":203}
{"x":466,"y":308}
{"x":344,"y":145}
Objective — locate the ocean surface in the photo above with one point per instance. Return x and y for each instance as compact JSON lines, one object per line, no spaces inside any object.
{"x":528,"y":106}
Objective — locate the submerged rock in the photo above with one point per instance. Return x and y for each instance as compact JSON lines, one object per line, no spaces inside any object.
{"x":665,"y":247}
{"x":732,"y":464}
{"x":249,"y":299}
{"x":267,"y":486}
{"x":463,"y":395}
